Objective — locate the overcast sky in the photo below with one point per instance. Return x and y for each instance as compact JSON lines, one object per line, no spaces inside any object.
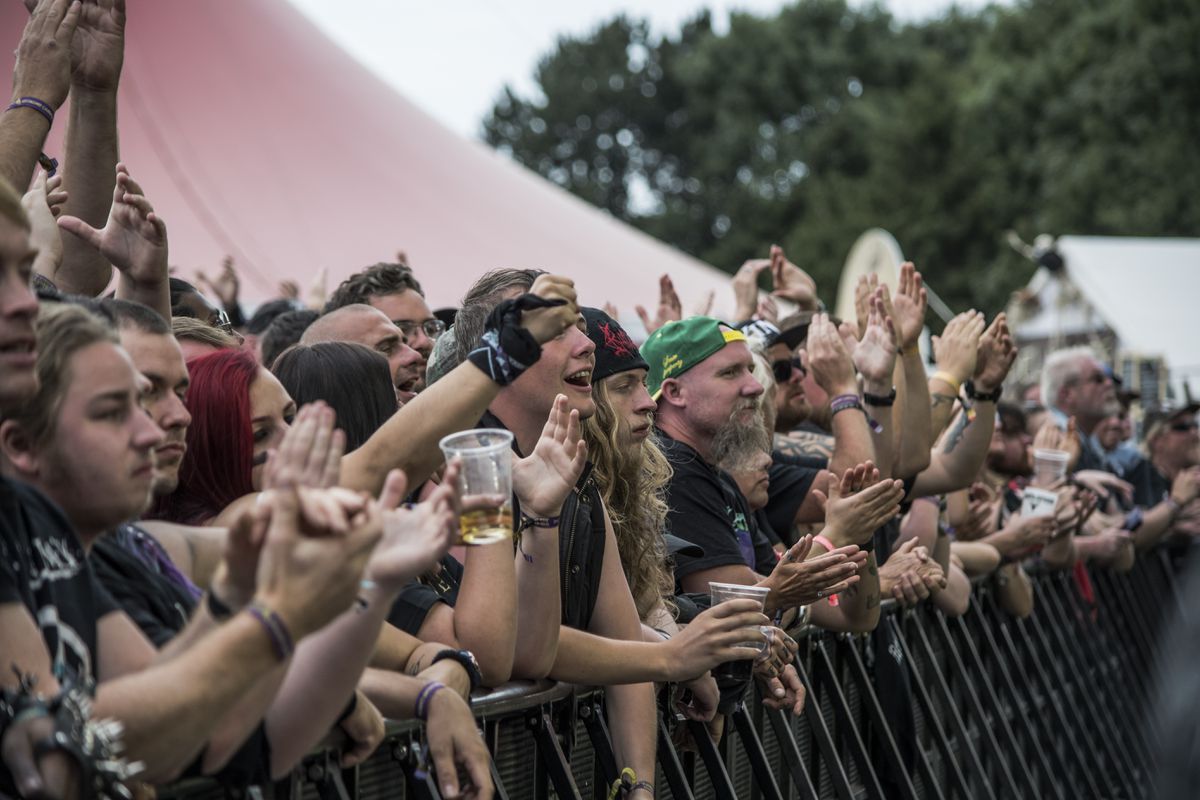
{"x":453,"y":57}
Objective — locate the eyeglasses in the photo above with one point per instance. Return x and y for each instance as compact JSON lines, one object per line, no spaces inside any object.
{"x":784,"y":367}
{"x":433,"y":328}
{"x":1185,"y":427}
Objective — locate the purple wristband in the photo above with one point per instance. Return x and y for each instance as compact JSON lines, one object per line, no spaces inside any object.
{"x":421,"y":708}
{"x":277,"y":632}
{"x":37,"y":105}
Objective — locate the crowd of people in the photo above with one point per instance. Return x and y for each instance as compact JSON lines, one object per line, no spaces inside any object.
{"x":230,"y":535}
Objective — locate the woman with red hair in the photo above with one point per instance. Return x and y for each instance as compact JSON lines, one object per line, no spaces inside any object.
{"x":239,"y":412}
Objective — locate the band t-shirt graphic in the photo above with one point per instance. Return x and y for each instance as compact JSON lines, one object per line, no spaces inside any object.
{"x":43,"y":567}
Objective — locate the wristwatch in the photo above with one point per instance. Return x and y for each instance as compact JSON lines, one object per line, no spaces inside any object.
{"x":467,"y":659}
{"x":987,"y":397}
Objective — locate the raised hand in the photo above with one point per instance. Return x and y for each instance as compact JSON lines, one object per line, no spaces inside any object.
{"x":134,"y":240}
{"x":858,"y":503}
{"x":957,"y":349}
{"x":546,"y":323}
{"x":909,"y":305}
{"x":289,"y":290}
{"x":828,"y":359}
{"x":798,"y":580}
{"x":792,"y":283}
{"x":863,"y":290}
{"x":997,"y":352}
{"x":98,"y":47}
{"x":310,"y":454}
{"x":745,"y":288}
{"x":317,"y":290}
{"x":705,"y":304}
{"x":669,"y":307}
{"x":543,"y":480}
{"x":415,"y":538}
{"x":875,"y":354}
{"x":714,"y":637}
{"x":43,"y":68}
{"x":42,"y":204}
{"x":227,"y":285}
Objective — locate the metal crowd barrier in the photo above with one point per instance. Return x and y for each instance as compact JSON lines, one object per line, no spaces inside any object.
{"x":981,"y":706}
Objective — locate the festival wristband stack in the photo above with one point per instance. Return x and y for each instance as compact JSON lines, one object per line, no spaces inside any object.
{"x":844,"y":402}
{"x":421,"y":708}
{"x":50,"y":165}
{"x":506,"y":349}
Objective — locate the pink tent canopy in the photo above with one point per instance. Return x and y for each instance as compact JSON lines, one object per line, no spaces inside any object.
{"x":256,"y":136}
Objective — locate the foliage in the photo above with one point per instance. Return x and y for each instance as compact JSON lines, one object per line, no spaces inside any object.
{"x":806,"y":128}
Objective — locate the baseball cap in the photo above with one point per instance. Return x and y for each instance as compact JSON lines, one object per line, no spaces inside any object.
{"x":770,"y":334}
{"x":678,"y":346}
{"x":1158,"y":417}
{"x":615,"y":351}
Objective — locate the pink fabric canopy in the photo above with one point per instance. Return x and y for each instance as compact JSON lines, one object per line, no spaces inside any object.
{"x":256,"y":136}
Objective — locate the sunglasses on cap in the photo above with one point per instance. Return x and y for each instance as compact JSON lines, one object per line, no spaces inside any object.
{"x":784,"y":367}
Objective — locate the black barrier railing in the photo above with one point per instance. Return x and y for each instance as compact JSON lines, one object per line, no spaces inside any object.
{"x":982,"y":706}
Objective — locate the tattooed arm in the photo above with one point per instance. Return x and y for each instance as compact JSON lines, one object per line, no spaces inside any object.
{"x":941,"y":404}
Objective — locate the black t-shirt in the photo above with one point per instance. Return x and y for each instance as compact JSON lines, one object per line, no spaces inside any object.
{"x":158,"y":602}
{"x":705,"y":507}
{"x":43,"y":567}
{"x":790,"y":483}
{"x":1150,"y":487}
{"x":131,"y":565}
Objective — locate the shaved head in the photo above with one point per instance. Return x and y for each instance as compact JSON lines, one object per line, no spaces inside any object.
{"x":370,"y":327}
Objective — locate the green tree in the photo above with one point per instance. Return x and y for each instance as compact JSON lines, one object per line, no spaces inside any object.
{"x":807,"y":127}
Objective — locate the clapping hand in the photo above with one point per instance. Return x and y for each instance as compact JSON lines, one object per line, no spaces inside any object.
{"x":957,"y":349}
{"x":415,"y":538}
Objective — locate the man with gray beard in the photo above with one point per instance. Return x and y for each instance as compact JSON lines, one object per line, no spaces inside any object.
{"x":701,"y":378}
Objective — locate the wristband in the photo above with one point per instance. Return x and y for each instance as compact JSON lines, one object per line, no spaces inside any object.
{"x":506,"y":349}
{"x":35,"y":104}
{"x":985,"y":397}
{"x":883,"y":401}
{"x":528,"y":522}
{"x":844,"y":402}
{"x":277,"y":632}
{"x":421,"y":708}
{"x":823,"y":540}
{"x":948,"y":379}
{"x":217,"y":609}
{"x":465,"y":659}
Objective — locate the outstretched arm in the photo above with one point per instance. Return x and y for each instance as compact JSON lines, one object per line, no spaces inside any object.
{"x":41,"y":80}
{"x":409,"y":439}
{"x":97,"y":53}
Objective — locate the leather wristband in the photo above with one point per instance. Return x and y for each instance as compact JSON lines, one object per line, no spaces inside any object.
{"x":882,"y":401}
{"x":983,"y":397}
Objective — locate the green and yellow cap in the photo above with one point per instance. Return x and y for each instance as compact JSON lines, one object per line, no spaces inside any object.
{"x":676,"y":347}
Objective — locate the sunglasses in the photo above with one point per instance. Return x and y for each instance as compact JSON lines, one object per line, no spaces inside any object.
{"x":1185,"y":427}
{"x":784,"y":367}
{"x":433,"y":328}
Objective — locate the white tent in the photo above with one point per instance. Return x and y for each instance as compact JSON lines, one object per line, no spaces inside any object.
{"x":1145,"y":290}
{"x":256,"y":136}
